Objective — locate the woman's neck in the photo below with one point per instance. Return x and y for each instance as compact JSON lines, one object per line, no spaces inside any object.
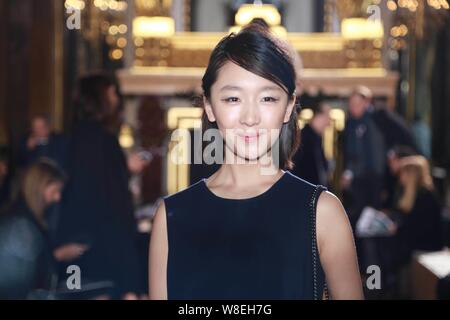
{"x":241,"y":175}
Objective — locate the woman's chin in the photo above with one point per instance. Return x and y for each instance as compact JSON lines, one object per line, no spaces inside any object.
{"x":249,"y":156}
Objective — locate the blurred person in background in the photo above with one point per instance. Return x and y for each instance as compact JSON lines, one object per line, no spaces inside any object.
{"x":26,"y":255}
{"x":420,"y":225}
{"x":391,"y":183}
{"x":310,"y":162}
{"x":416,"y":213}
{"x":384,"y":251}
{"x":42,"y":142}
{"x":97,"y":206}
{"x":364,"y":156}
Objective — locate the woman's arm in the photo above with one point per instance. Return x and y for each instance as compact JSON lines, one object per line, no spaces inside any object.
{"x":337,"y":249}
{"x":158,"y":253}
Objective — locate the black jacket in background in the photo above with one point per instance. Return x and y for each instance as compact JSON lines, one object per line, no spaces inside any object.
{"x":394,"y":129}
{"x":97,"y":209}
{"x":421,"y":228}
{"x":310,"y":162}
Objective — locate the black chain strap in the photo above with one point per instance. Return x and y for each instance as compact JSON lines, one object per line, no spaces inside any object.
{"x":315,"y":259}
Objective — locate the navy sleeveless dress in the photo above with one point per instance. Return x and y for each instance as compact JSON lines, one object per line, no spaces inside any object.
{"x":262,"y":247}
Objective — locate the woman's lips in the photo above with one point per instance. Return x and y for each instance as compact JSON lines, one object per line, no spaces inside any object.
{"x":250,"y":137}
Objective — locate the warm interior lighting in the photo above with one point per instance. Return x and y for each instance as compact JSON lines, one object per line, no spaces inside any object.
{"x":76,"y":4}
{"x":114,"y":5}
{"x":123,"y":28}
{"x":399,"y":31}
{"x":126,"y":139}
{"x":391,"y":5}
{"x":360,"y":28}
{"x":153,"y":27}
{"x":116,"y":54}
{"x":178,"y":174}
{"x":121,"y":42}
{"x":248,"y":12}
{"x":438,"y":4}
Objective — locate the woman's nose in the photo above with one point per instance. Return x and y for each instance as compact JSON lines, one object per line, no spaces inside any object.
{"x":250,"y":114}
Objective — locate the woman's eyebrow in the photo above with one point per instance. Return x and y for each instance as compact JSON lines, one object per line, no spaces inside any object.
{"x":229,"y":87}
{"x":275,"y":88}
{"x":266,"y":88}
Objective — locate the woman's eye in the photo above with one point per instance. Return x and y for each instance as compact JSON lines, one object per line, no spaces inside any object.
{"x":269,"y":99}
{"x":231,"y":99}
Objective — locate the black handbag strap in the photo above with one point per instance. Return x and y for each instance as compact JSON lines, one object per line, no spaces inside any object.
{"x":315,"y":254}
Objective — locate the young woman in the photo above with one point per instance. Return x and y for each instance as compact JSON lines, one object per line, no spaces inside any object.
{"x":25,"y":253}
{"x":243,"y":233}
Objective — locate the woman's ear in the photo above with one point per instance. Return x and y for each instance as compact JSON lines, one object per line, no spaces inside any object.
{"x":290,"y":108}
{"x":208,"y":110}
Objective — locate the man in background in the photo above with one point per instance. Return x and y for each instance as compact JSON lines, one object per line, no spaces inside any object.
{"x":42,"y":142}
{"x":364,"y":156}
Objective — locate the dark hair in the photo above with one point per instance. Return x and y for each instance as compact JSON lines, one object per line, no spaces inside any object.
{"x":260,"y":22}
{"x":255,"y":50}
{"x":90,"y":99}
{"x":317,"y":107}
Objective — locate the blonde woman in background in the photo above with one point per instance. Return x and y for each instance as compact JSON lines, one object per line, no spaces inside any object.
{"x":27,"y":261}
{"x":421,"y":224}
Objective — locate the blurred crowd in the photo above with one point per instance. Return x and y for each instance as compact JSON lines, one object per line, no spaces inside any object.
{"x":386,"y":185}
{"x":67,"y":201}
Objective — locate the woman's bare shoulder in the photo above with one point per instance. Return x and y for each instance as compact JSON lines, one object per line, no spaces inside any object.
{"x":160,"y":213}
{"x":329,"y":202}
{"x":332,"y":220}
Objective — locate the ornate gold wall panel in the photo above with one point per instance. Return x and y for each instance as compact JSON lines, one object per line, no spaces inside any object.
{"x":318,"y":50}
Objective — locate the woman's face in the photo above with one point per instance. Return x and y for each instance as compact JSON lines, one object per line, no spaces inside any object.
{"x":52,"y":193}
{"x":249,"y":111}
{"x":357,"y":106}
